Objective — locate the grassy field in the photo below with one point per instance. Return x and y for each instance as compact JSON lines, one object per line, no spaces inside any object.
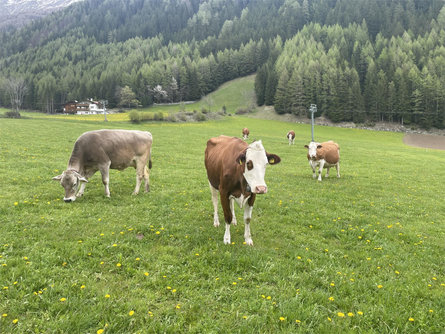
{"x":359,"y":254}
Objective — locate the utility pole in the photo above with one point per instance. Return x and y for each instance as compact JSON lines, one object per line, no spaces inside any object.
{"x":104,"y":104}
{"x":313,"y":110}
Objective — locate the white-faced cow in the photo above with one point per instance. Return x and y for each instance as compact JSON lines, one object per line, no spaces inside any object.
{"x":236,"y":170}
{"x":246,"y":133}
{"x":291,"y":137}
{"x":324,"y":155}
{"x":102,"y":150}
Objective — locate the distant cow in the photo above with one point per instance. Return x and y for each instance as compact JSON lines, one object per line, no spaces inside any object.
{"x":324,"y":155}
{"x":245,"y":133}
{"x":291,"y":136}
{"x":236,"y":170}
{"x":102,"y":150}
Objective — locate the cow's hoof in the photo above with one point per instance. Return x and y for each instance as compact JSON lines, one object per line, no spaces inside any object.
{"x":226,"y":242}
{"x":249,"y":242}
{"x":134,"y":193}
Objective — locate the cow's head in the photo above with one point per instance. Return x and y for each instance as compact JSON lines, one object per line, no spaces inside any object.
{"x":312,"y":149}
{"x":70,"y":181}
{"x":254,"y":160}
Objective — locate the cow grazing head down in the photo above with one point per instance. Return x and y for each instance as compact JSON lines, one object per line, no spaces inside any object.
{"x":312,"y":149}
{"x":255,"y":159}
{"x":70,"y":181}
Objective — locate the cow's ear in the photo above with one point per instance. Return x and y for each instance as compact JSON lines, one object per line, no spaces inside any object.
{"x":57,"y":178}
{"x":82,"y":179}
{"x":306,"y":146}
{"x":273,"y":159}
{"x":241,"y":158}
{"x":319,"y":146}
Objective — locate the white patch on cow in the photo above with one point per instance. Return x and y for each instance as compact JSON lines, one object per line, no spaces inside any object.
{"x":215,"y":205}
{"x":227,"y":235}
{"x":247,"y":217}
{"x":241,"y":201}
{"x":255,"y":177}
{"x":232,"y":208}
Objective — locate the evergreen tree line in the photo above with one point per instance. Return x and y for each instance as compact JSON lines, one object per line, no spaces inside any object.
{"x":353,"y":78}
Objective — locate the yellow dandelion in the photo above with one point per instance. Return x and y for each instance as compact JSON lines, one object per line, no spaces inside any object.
{"x":350,"y":314}
{"x":174,"y":290}
{"x":298,"y":321}
{"x":114,"y":245}
{"x":282,"y":318}
{"x":107,"y":296}
{"x":15,"y":321}
{"x":100,"y":331}
{"x":169,"y":288}
{"x":62,"y":299}
{"x":431,"y":311}
{"x":329,"y":319}
{"x":332,"y":284}
{"x":268,"y":297}
{"x":341,"y":314}
{"x":118,"y":265}
{"x":234,"y":283}
{"x":16,"y":203}
{"x":146,"y":274}
{"x":157,"y":232}
{"x":360,"y":313}
{"x":411,"y":319}
{"x":197,"y":254}
{"x":131,"y":313}
{"x":82,"y":286}
{"x":150,"y":313}
{"x":138,"y":259}
{"x":397,"y":272}
{"x":244,"y":316}
{"x":178,"y":306}
{"x":379,"y":286}
{"x":4,"y":315}
{"x":331,"y":299}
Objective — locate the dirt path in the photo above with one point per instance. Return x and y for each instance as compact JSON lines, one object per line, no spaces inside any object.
{"x":425,"y":141}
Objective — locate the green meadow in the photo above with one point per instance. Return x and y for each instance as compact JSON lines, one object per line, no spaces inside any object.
{"x":359,"y":254}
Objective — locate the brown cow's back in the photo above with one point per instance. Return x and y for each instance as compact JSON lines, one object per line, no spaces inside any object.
{"x":330,"y":152}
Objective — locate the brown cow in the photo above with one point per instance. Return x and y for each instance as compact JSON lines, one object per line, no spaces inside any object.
{"x":246,"y":133}
{"x":102,"y":150}
{"x":291,"y":137}
{"x":236,"y":170}
{"x":324,"y":155}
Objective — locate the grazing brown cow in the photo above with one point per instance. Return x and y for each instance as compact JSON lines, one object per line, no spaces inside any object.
{"x":324,"y":155}
{"x":291,"y":136}
{"x":102,"y":150}
{"x":245,"y":133}
{"x":236,"y":170}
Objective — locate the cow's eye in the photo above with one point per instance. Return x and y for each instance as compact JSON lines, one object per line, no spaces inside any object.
{"x":249,"y":165}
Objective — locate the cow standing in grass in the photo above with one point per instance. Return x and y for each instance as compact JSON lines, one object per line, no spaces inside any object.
{"x":246,"y":133}
{"x":291,"y":137}
{"x":323,"y":155}
{"x":236,"y":170}
{"x":102,"y":150}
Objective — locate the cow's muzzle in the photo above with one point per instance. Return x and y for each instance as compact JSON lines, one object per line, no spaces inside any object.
{"x":69,"y":199}
{"x":260,"y":189}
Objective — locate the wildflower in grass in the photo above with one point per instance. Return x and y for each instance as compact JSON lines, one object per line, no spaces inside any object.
{"x":146,"y":274}
{"x":63,"y":299}
{"x":431,"y":311}
{"x":234,"y":283}
{"x":82,"y":286}
{"x":15,"y":321}
{"x":268,"y":297}
{"x":282,"y":318}
{"x":331,"y":299}
{"x":138,"y":259}
{"x":244,"y":316}
{"x":4,"y":315}
{"x":298,"y":321}
{"x":169,"y":288}
{"x":114,"y":245}
{"x":118,"y":265}
{"x":107,"y":296}
{"x":157,"y":232}
{"x":174,"y":290}
{"x":435,"y":278}
{"x":197,"y":254}
{"x":332,"y":284}
{"x":178,"y":306}
{"x":5,"y":288}
{"x":411,"y":319}
{"x":341,"y":314}
{"x":150,"y":313}
{"x":360,"y":313}
{"x":131,"y":313}
{"x":350,"y":314}
{"x":329,"y":319}
{"x":16,"y":203}
{"x":379,"y":286}
{"x":100,"y":331}
{"x":102,"y":262}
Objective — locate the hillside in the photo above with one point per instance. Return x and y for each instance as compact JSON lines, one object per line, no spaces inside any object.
{"x":358,"y":61}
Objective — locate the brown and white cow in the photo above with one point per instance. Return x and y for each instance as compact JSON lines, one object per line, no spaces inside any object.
{"x":246,"y":133}
{"x":102,"y":150}
{"x":236,"y":170}
{"x":324,"y":155}
{"x":291,"y":137}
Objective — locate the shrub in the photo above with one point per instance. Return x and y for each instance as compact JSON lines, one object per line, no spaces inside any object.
{"x":200,"y":117}
{"x":135,"y":116}
{"x":12,"y":114}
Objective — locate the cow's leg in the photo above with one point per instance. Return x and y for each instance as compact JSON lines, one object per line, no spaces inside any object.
{"x":327,"y":171}
{"x":320,"y":169}
{"x":140,"y":175}
{"x":225,"y":203}
{"x":247,"y":217}
{"x":232,"y":208}
{"x":337,"y":167}
{"x":313,"y":169}
{"x":105,"y":171}
{"x":146,"y":179}
{"x":215,"y":205}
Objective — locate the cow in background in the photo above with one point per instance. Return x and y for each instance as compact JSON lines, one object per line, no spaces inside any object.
{"x":236,"y":170}
{"x":291,"y":137}
{"x":245,"y":133}
{"x":323,"y":155}
{"x":102,"y":150}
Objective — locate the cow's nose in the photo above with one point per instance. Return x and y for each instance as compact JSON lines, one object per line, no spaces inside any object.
{"x":261,"y":189}
{"x":67,"y":200}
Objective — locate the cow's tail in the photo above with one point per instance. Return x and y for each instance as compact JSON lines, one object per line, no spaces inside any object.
{"x":149,"y":159}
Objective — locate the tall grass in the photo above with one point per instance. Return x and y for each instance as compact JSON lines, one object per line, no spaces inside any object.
{"x":363,"y":253}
